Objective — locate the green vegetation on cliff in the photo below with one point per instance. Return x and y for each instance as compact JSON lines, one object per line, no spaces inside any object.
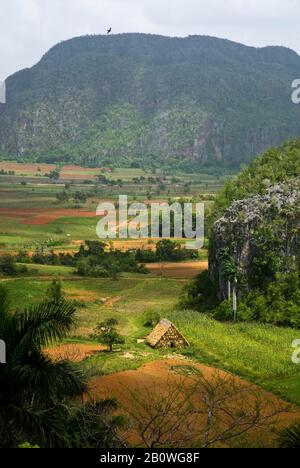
{"x":274,"y":166}
{"x":255,"y":244}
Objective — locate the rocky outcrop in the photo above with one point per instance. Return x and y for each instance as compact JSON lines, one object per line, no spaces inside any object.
{"x":259,"y":235}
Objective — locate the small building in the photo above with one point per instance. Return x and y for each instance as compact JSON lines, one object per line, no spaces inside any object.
{"x":166,"y":335}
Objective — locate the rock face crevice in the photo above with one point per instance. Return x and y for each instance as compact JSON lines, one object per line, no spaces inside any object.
{"x":259,"y":234}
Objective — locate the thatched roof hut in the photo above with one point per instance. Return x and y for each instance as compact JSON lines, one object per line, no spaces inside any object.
{"x":166,"y":335}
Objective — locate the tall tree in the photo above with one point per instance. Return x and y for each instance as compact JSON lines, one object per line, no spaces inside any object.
{"x":33,"y":388}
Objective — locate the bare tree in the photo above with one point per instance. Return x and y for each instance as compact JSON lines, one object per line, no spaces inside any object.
{"x":214,"y":411}
{"x":160,"y":419}
{"x":227,"y":409}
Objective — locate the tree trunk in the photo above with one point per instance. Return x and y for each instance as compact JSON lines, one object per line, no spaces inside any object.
{"x":234,"y":299}
{"x":229,"y":289}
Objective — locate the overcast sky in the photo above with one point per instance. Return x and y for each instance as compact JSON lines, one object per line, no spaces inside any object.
{"x":28,"y":28}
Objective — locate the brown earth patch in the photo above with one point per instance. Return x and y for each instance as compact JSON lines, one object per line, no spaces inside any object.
{"x":126,"y":245}
{"x":67,"y":172}
{"x":78,"y":243}
{"x":178,"y":270}
{"x":36,"y":216}
{"x":82,"y":295}
{"x":158,"y":376}
{"x":112,"y":301}
{"x":29,"y":169}
{"x":73,"y":352}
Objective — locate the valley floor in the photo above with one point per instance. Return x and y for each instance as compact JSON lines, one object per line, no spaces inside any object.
{"x":256,"y":353}
{"x":259,"y":353}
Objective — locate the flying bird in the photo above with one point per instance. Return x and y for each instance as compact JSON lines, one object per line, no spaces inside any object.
{"x":109,"y":30}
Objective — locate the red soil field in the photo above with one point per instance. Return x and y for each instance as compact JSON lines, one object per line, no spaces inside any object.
{"x":73,"y":352}
{"x":36,"y":216}
{"x":30,"y":169}
{"x":177,"y":270}
{"x":155,"y":378}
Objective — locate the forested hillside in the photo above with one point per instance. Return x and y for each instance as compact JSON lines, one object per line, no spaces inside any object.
{"x":136,"y":99}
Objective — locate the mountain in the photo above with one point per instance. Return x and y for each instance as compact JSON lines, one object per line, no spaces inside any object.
{"x":136,"y":99}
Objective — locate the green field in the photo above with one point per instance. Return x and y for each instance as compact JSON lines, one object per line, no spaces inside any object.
{"x":15,"y":234}
{"x":260,"y":353}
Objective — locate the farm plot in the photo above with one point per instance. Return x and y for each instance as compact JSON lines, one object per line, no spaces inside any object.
{"x":156,"y":392}
{"x":177,"y":270}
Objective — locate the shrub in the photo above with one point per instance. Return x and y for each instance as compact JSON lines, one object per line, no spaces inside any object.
{"x":224,"y":312}
{"x":55,"y":292}
{"x":8,"y":265}
{"x":107,"y":334}
{"x":151,"y":319}
{"x":200,"y":294}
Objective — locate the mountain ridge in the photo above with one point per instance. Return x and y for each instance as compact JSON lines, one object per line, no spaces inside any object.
{"x":151,"y":100}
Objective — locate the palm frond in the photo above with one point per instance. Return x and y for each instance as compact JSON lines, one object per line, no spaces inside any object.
{"x":43,"y":324}
{"x":45,"y":427}
{"x":4,"y":309}
{"x":46,"y":379}
{"x":290,"y":438}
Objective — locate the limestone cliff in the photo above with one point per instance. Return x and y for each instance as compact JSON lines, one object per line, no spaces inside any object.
{"x":258,"y":237}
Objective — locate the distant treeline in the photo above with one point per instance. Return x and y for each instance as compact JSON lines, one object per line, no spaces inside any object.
{"x":94,"y":259}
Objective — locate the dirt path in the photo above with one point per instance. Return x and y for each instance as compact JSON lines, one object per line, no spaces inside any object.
{"x":110,"y":302}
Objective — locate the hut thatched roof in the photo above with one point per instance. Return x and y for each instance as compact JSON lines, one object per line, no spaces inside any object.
{"x":160,"y":330}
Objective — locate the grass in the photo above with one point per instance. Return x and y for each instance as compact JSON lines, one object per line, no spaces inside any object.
{"x":260,"y":353}
{"x":128,"y":358}
{"x":48,"y":270}
{"x":131,"y":297}
{"x":126,"y":299}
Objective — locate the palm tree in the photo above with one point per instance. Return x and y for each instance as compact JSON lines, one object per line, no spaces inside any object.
{"x":34,"y":390}
{"x":290,"y":438}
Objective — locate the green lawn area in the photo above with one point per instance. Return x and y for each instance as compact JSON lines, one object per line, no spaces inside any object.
{"x":288,"y":388}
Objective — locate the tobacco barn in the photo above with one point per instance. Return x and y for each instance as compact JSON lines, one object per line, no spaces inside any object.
{"x":166,"y":335}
